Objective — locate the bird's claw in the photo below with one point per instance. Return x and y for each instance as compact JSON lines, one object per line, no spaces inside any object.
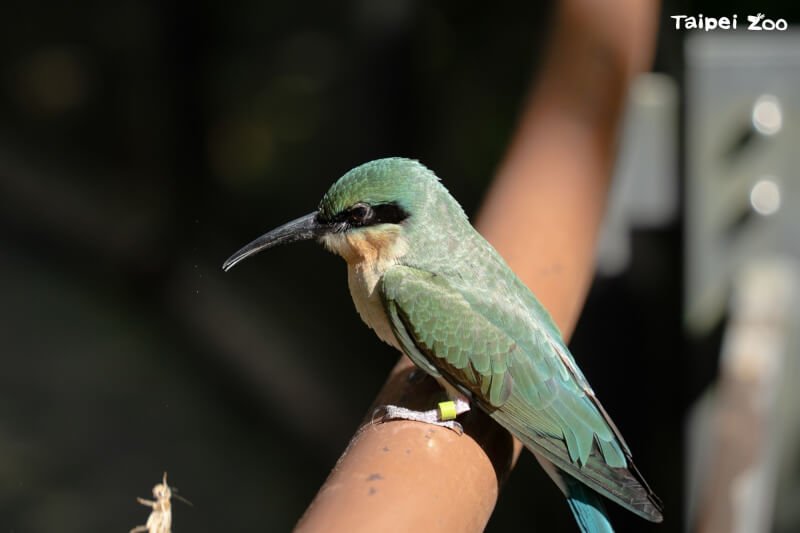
{"x":452,"y":425}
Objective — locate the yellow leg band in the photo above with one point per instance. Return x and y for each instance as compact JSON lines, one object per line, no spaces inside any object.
{"x":447,"y":410}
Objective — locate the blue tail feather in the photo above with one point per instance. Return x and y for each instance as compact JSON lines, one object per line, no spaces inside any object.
{"x":587,"y":507}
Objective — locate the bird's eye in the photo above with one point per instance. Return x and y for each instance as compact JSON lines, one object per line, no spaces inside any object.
{"x":358,"y":214}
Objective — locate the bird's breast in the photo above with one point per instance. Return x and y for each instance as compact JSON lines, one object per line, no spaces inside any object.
{"x":363,"y":284}
{"x":369,"y":253}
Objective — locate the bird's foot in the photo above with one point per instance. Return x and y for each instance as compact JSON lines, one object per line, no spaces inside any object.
{"x":443,"y":416}
{"x":432,"y":416}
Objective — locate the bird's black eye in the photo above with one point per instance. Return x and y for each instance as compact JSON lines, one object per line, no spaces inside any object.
{"x":358,"y":214}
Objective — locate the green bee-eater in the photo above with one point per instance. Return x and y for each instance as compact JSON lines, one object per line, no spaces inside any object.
{"x":430,"y":285}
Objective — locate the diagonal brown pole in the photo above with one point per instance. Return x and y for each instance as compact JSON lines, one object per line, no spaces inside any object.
{"x":542,"y":214}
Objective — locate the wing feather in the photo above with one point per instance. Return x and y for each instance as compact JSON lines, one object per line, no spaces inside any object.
{"x":528,"y":382}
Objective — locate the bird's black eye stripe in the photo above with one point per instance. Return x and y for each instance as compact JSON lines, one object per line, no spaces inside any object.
{"x":389,"y":214}
{"x":360,"y":215}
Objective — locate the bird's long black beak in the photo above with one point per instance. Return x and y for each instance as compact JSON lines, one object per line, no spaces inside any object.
{"x":301,"y":229}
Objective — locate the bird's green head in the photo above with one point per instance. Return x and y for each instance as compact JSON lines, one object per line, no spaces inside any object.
{"x":366,"y":213}
{"x":393,"y":185}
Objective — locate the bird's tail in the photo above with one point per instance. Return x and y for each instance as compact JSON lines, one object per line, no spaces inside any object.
{"x":587,"y":507}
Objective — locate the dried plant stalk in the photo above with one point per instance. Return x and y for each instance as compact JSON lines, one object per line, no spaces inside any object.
{"x":160,"y":519}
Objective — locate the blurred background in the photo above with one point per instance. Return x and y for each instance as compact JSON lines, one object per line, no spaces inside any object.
{"x":141,"y":143}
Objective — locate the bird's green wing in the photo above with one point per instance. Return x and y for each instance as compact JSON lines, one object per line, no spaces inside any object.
{"x":536,"y":396}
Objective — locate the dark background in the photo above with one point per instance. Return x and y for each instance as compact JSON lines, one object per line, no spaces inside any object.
{"x":141,"y":143}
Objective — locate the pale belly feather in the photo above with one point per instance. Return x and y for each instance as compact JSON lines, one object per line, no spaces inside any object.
{"x":369,"y":252}
{"x":363,"y":284}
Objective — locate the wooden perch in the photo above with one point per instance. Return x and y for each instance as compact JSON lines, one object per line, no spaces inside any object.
{"x":542,"y":214}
